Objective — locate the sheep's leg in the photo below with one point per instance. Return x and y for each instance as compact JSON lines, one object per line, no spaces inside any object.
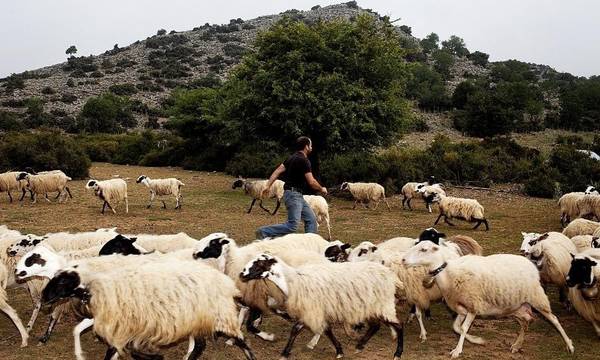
{"x":69,"y":192}
{"x":339,"y":353}
{"x":137,"y":355}
{"x":438,"y":219}
{"x":178,"y":202}
{"x":58,"y":195}
{"x":77,"y":330}
{"x":313,"y":342}
{"x":33,"y":197}
{"x":23,"y":192}
{"x":408,"y":203}
{"x":243,"y":315}
{"x":554,"y":321}
{"x":516,"y":347}
{"x":463,"y":333}
{"x":152,"y":195}
{"x":596,"y":327}
{"x":251,"y":205}
{"x":403,"y":201}
{"x":9,"y":196}
{"x":429,"y":207}
{"x":54,"y":319}
{"x":328,"y":227}
{"x":276,"y":207}
{"x":111,"y":354}
{"x":260,"y":203}
{"x":487,"y":226}
{"x":563,"y":299}
{"x":47,"y":198}
{"x":355,"y":203}
{"x":399,"y":338}
{"x":12,"y":314}
{"x":470,"y":338}
{"x":293,"y":334}
{"x":199,"y":346}
{"x":387,"y":204}
{"x":164,"y":204}
{"x":239,"y":342}
{"x":371,"y":331}
{"x":103,"y":207}
{"x":419,"y":314}
{"x":376,"y":205}
{"x":36,"y":309}
{"x":126,"y":205}
{"x":251,"y":327}
{"x":448,"y":221}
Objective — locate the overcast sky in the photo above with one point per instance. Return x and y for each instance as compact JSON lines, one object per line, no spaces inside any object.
{"x":563,"y":34}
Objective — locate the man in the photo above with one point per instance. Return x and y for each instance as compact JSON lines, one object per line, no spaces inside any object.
{"x":297,"y":174}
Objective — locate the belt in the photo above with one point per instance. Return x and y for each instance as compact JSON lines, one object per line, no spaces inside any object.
{"x":293,"y":188}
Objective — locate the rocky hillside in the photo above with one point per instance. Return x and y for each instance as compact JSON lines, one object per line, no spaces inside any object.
{"x":147,"y":70}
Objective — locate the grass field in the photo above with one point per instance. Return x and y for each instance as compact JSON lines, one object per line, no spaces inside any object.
{"x":211,"y":205}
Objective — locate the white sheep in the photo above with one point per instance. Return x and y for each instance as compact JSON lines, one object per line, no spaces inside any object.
{"x":122,"y":304}
{"x":319,"y":206}
{"x":426,"y":191}
{"x":110,"y":192}
{"x":584,"y":242}
{"x":254,"y":189}
{"x":321,"y":295}
{"x":591,"y":190}
{"x":7,"y":309}
{"x":469,"y":210}
{"x":582,"y":280}
{"x":551,"y":253}
{"x":46,"y":182}
{"x":364,"y":193}
{"x":9,"y":182}
{"x":581,"y":227}
{"x":162,"y":187}
{"x":568,"y":207}
{"x":589,"y":206}
{"x":63,"y":241}
{"x":232,"y":259}
{"x":495,"y":285}
{"x":164,"y":243}
{"x":409,"y":191}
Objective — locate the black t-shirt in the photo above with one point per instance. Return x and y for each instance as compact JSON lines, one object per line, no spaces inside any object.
{"x":296,"y":166}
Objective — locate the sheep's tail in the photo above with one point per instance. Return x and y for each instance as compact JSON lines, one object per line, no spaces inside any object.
{"x":467,"y":245}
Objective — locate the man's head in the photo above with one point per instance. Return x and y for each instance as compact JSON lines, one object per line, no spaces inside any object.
{"x":303,"y":143}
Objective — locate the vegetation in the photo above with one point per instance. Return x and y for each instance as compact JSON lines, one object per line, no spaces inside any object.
{"x":106,"y":113}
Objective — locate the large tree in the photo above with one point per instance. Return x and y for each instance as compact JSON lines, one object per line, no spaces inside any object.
{"x":341,"y":83}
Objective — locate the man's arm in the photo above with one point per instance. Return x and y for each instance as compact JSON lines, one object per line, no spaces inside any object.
{"x":313,"y":183}
{"x":278,"y":171}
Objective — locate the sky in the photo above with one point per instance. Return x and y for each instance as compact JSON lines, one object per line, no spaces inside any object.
{"x":563,"y":34}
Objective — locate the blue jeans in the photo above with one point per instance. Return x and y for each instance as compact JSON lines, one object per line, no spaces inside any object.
{"x":297,"y":209}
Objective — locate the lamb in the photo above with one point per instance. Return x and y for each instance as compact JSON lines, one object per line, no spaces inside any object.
{"x":9,"y":182}
{"x":551,"y":254}
{"x":7,"y":309}
{"x":46,"y":182}
{"x":466,"y":209}
{"x":232,"y":260}
{"x":426,"y":191}
{"x":319,"y":206}
{"x":313,"y":293}
{"x":582,"y":280}
{"x":161,"y":187}
{"x":568,"y":207}
{"x":110,"y":192}
{"x":409,"y":191}
{"x":364,"y":193}
{"x":495,"y":285}
{"x":142,"y":328}
{"x":581,"y":227}
{"x":254,"y":188}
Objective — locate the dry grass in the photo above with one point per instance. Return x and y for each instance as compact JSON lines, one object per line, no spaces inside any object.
{"x":210,"y":205}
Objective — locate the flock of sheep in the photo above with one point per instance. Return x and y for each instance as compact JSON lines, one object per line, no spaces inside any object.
{"x":142,"y":292}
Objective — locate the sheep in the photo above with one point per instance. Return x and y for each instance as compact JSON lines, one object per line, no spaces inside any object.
{"x":160,"y":187}
{"x":122,"y":304}
{"x":232,"y":260}
{"x":313,"y":293}
{"x":466,"y":209}
{"x":427,"y":190}
{"x":582,"y":280}
{"x":585,"y":242}
{"x":9,"y":182}
{"x":364,"y":193}
{"x":461,"y":244}
{"x":591,"y":190}
{"x":589,"y":206}
{"x":409,"y":191}
{"x":495,"y":285}
{"x":568,"y":207}
{"x":551,"y":254}
{"x":254,"y":188}
{"x":7,"y":309}
{"x":319,"y":206}
{"x":46,"y":182}
{"x":110,"y":192}
{"x":581,"y":227}
{"x":63,"y":241}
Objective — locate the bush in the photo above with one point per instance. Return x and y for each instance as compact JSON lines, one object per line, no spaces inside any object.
{"x":255,"y":161}
{"x":68,"y":98}
{"x":48,"y":91}
{"x":47,"y":150}
{"x":107,"y":113}
{"x":13,"y":82}
{"x":575,"y":170}
{"x":9,"y":121}
{"x":70,"y":83}
{"x":123,"y":89}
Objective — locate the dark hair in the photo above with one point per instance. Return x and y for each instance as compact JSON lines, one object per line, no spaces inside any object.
{"x":301,"y":142}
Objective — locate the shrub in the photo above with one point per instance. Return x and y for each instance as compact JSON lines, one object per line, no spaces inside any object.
{"x":234,"y":50}
{"x":123,"y":89}
{"x":97,"y":74}
{"x":106,"y":113}
{"x":161,"y":32}
{"x":9,"y":121}
{"x":13,"y":82}
{"x":48,"y":90}
{"x":68,"y":98}
{"x":70,"y":83}
{"x":46,"y":150}
{"x":542,"y":183}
